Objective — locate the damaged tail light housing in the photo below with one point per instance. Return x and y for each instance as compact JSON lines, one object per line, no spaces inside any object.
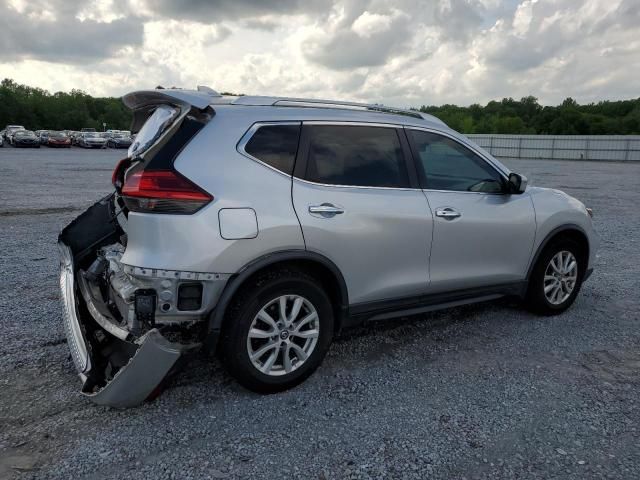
{"x":117,"y":177}
{"x":163,"y":191}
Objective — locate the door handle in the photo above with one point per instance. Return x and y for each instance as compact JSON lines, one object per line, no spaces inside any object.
{"x":448,"y":213}
{"x":325,"y":210}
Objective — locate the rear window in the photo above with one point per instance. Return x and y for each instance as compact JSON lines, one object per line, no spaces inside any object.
{"x":275,"y":145}
{"x":356,"y":156}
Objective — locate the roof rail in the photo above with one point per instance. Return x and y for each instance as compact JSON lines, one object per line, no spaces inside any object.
{"x":299,"y":102}
{"x":262,"y":101}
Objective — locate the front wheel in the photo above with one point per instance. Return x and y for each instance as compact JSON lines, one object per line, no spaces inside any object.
{"x":556,"y":278}
{"x":277,"y":331}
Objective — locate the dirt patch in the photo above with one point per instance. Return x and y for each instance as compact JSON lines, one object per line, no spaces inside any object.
{"x":37,"y":211}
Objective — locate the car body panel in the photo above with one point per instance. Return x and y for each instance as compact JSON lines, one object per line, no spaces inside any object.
{"x":556,"y":210}
{"x":380,"y":243}
{"x":194,"y":242}
{"x":490,"y":243}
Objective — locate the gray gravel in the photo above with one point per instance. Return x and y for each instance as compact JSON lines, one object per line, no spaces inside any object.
{"x":487,"y":391}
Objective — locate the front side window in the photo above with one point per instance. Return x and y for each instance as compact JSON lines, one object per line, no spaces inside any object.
{"x":444,"y":164}
{"x":275,"y":145}
{"x":355,"y":156}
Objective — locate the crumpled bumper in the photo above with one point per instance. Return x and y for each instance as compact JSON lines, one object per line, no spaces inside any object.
{"x":152,"y":356}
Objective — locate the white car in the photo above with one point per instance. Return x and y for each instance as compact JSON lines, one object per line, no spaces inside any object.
{"x":10,"y":130}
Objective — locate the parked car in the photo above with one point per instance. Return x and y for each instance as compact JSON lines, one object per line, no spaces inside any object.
{"x":75,"y":136}
{"x":91,"y":140}
{"x":43,"y":136}
{"x":25,"y":138}
{"x":110,"y":133}
{"x":58,"y":139}
{"x":9,"y":131}
{"x":259,"y":227}
{"x":118,"y":140}
{"x":1,"y":139}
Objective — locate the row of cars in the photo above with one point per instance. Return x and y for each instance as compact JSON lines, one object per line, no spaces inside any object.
{"x":18,"y":136}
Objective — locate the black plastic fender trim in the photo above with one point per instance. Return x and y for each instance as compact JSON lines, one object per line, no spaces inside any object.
{"x":217,"y":315}
{"x":547,"y":239}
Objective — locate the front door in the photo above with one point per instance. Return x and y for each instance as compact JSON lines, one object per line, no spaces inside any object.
{"x":482,"y":236}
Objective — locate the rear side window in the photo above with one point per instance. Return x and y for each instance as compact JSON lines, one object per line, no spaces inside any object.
{"x":444,"y":164}
{"x":355,"y":155}
{"x":275,"y":145}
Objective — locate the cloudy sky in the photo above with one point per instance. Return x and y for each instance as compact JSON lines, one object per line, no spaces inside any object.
{"x":396,"y":52}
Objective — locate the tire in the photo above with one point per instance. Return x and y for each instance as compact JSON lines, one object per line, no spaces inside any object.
{"x":262,"y":296}
{"x":536,"y":299}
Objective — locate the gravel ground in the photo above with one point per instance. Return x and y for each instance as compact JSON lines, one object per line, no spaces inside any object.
{"x":486,"y":391}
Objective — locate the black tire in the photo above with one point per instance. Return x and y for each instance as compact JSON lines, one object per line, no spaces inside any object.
{"x":241,"y":313}
{"x":536,"y":299}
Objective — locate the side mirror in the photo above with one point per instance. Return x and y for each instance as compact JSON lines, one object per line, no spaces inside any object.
{"x":517,"y":183}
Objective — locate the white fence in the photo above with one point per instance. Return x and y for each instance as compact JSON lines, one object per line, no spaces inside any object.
{"x":562,"y":147}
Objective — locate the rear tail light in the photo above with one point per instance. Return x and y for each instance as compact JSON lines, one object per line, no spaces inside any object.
{"x":163,"y":191}
{"x":117,"y":177}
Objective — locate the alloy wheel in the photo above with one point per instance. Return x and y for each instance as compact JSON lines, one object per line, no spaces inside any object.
{"x":560,"y":277}
{"x":283,"y":335}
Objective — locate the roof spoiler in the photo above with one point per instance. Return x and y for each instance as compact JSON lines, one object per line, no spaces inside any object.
{"x":143,"y":101}
{"x":200,"y":98}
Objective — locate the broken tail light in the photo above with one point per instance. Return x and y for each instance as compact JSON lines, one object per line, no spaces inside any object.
{"x":117,"y":177}
{"x":163,"y":191}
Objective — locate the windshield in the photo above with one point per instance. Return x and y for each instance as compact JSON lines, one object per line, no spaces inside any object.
{"x":91,"y":135}
{"x":156,"y":124}
{"x":24,"y":133}
{"x":58,"y":135}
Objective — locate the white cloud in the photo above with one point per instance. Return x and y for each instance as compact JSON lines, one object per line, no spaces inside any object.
{"x":369,"y":24}
{"x":400,"y":52}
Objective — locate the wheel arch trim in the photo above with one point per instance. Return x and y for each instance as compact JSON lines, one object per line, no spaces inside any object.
{"x":216,"y":317}
{"x":551,"y":235}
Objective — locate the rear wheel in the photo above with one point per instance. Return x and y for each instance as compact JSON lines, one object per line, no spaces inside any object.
{"x":556,"y":278}
{"x":278,"y":331}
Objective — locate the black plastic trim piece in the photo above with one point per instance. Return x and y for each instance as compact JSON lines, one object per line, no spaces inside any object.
{"x":409,"y":160}
{"x":550,"y":235}
{"x":587,"y":274}
{"x":93,"y":228}
{"x":217,"y":316}
{"x":164,"y":158}
{"x":414,"y":304}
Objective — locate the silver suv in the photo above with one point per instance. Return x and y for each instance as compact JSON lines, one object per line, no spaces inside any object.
{"x":259,"y":227}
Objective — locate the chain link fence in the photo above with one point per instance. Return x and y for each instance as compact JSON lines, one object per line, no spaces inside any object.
{"x":622,"y":148}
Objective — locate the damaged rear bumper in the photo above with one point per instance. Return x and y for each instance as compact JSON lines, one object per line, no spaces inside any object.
{"x":136,"y":381}
{"x":117,"y":368}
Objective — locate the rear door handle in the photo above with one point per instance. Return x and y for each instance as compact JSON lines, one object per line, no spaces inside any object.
{"x":325,"y":210}
{"x":448,"y":213}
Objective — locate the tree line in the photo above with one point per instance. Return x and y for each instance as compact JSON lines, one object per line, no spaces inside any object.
{"x":526,"y":115}
{"x":39,"y":109}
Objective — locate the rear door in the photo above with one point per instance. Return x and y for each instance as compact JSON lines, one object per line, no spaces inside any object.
{"x":356,"y":195}
{"x":482,"y":236}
